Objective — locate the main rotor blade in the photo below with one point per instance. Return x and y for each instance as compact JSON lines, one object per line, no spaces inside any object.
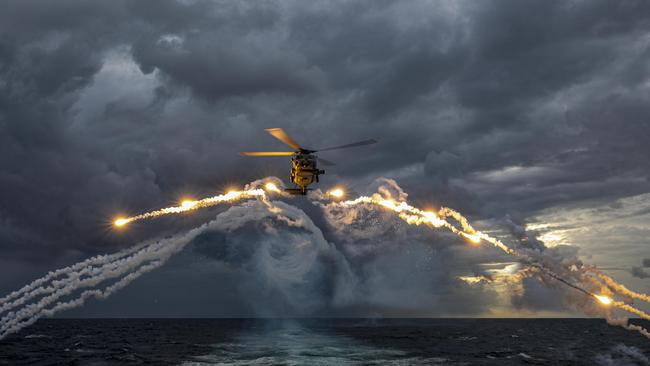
{"x":325,"y":162}
{"x":267,"y":153}
{"x":279,"y":134}
{"x":354,"y":144}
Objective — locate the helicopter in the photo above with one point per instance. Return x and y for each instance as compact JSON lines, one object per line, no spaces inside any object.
{"x":304,"y":167}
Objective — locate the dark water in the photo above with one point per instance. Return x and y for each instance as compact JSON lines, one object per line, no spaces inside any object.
{"x":324,"y":342}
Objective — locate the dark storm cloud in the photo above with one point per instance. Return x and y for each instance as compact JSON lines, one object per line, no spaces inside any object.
{"x":639,"y":272}
{"x":496,"y":108}
{"x":215,"y":73}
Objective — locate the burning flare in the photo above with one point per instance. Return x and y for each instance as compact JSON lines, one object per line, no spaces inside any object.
{"x":589,"y":278}
{"x":231,"y":196}
{"x":189,"y":205}
{"x":336,"y":193}
{"x":271,"y":187}
{"x":121,"y":221}
{"x":415,"y":216}
{"x":604,"y":299}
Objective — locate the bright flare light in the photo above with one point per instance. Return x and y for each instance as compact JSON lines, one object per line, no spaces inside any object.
{"x":603,"y":299}
{"x":271,"y":187}
{"x":337,"y":193}
{"x":474,"y":238}
{"x":188,"y":203}
{"x":121,"y":222}
{"x":413,"y":216}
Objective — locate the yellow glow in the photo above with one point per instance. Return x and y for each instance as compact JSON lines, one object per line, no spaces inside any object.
{"x":188,"y":203}
{"x":413,"y":216}
{"x":121,"y":222}
{"x":271,"y":187}
{"x":191,"y":205}
{"x":474,"y":238}
{"x":603,"y":299}
{"x":474,"y":280}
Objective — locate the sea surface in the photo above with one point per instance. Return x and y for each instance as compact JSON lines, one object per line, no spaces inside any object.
{"x":324,"y":342}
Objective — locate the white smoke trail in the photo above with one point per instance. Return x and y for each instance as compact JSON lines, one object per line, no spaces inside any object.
{"x":101,"y":265}
{"x":289,"y":273}
{"x":150,"y":256}
{"x":567,"y":271}
{"x":19,"y":323}
{"x":252,"y":190}
{"x":35,"y":287}
{"x":126,"y":266}
{"x":92,"y":272}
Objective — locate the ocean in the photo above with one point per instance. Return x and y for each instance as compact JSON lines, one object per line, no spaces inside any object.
{"x":338,"y":342}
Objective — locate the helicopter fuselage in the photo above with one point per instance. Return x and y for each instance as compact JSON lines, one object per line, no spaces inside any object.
{"x":304,"y":168}
{"x":304,"y":171}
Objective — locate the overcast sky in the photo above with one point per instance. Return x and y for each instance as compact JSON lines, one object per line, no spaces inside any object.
{"x":514,"y":112}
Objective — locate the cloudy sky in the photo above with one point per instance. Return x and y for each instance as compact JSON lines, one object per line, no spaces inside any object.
{"x":518,"y":113}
